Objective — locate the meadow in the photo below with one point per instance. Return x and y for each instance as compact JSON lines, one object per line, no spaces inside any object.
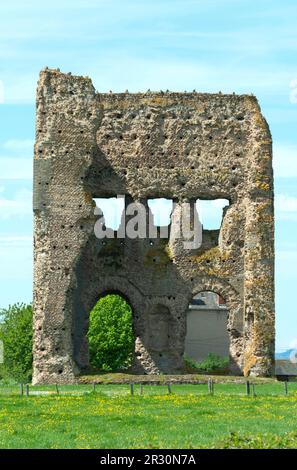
{"x":110,"y":417}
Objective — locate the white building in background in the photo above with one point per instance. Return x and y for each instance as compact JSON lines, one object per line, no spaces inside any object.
{"x":207,"y":319}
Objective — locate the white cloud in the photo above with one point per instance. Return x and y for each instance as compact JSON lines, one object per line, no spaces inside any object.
{"x":284,"y":203}
{"x":118,"y":72}
{"x":19,"y":206}
{"x":293,"y":94}
{"x":14,"y":168}
{"x":15,"y":240}
{"x":20,"y":88}
{"x":285,"y":160}
{"x":285,"y":207}
{"x":16,"y":265}
{"x":1,"y":92}
{"x":22,"y":146}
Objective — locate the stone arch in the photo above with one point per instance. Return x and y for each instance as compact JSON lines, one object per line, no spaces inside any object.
{"x":235,"y":323}
{"x":80,"y":324}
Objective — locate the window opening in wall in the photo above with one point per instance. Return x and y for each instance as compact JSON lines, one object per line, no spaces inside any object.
{"x":207,"y":340}
{"x":112,"y":208}
{"x":161,"y":209}
{"x":211,"y":212}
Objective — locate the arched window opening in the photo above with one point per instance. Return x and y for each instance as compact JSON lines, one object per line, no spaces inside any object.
{"x":110,"y":334}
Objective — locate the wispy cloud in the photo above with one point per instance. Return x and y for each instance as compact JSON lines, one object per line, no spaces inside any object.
{"x":19,"y":146}
{"x":20,"y":87}
{"x":14,"y":168}
{"x":284,"y":203}
{"x":15,"y":240}
{"x":18,"y":206}
{"x":285,"y":207}
{"x":285,"y":160}
{"x":1,"y":92}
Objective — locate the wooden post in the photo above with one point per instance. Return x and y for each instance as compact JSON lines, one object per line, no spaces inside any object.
{"x":248,"y":388}
{"x":27,"y":390}
{"x":169,"y":388}
{"x":210,"y":386}
{"x":254,"y":390}
{"x":132,"y":389}
{"x":21,"y":389}
{"x":57,"y":389}
{"x":286,"y":387}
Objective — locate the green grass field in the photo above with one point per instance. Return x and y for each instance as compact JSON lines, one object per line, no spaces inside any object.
{"x":111,"y":418}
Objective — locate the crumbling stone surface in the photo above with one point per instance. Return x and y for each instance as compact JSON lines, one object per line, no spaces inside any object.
{"x":181,"y":146}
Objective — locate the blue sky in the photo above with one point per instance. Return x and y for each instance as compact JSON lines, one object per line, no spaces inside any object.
{"x":244,"y":46}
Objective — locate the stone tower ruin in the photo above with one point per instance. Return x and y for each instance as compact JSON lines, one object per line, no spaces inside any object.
{"x":180,"y":146}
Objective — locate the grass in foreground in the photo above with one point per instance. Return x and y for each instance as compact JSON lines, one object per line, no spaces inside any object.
{"x":111,"y":418}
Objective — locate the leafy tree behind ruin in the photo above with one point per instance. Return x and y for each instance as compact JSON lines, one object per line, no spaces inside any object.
{"x":16,"y":336}
{"x":110,"y":334}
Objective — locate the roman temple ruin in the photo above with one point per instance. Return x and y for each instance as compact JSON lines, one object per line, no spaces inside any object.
{"x":179,"y":146}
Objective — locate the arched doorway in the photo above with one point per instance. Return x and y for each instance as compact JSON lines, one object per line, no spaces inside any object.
{"x":111,"y":334}
{"x":207,"y":323}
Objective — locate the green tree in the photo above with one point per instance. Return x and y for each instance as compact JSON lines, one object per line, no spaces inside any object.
{"x":16,"y":335}
{"x":110,"y":334}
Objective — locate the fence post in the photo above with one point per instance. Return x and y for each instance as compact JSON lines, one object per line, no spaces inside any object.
{"x":132,"y":389}
{"x":141,"y":389}
{"x":286,"y":387}
{"x":254,"y":390}
{"x":248,"y":388}
{"x":57,"y":389}
{"x":210,"y":386}
{"x":22,"y":389}
{"x":169,"y":388}
{"x":27,"y":390}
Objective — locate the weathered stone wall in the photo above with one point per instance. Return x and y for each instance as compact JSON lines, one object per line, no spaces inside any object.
{"x":182,"y":146}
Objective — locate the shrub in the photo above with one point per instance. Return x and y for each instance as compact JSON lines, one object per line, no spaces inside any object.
{"x":16,"y":335}
{"x":110,"y":334}
{"x":259,"y":441}
{"x":212,"y":363}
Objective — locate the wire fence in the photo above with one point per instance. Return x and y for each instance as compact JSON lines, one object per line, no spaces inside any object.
{"x":211,"y":388}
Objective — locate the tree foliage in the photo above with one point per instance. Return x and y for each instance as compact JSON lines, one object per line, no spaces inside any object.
{"x":110,"y":334}
{"x":16,"y":335}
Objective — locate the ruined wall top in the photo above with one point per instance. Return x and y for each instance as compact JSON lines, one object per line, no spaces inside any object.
{"x":165,"y":144}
